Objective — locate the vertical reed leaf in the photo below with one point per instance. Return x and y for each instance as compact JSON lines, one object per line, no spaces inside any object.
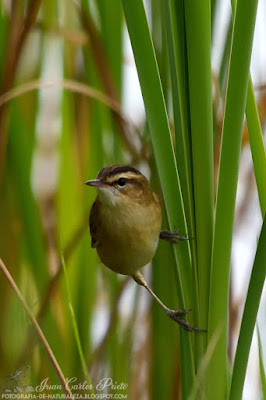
{"x":198,"y":31}
{"x":262,"y":369}
{"x":163,"y":358}
{"x":175,"y":23}
{"x":249,"y":317}
{"x":177,"y":47}
{"x":243,"y":30}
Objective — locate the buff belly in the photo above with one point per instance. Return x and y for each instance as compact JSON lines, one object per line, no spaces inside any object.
{"x":130,"y":243}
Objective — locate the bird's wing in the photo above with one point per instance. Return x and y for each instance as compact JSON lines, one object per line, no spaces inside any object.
{"x":93,"y":224}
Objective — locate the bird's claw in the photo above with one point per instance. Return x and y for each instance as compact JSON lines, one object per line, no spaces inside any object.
{"x":172,"y":236}
{"x":175,"y":315}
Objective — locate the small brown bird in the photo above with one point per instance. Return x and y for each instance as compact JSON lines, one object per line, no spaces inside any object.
{"x":125,"y":226}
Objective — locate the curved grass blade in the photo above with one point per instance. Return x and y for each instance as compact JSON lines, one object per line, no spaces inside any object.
{"x":256,"y":145}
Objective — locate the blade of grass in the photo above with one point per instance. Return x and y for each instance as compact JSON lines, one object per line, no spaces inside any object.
{"x":249,"y":316}
{"x":163,"y":360}
{"x":243,"y":31}
{"x":198,"y":30}
{"x":175,"y":23}
{"x":225,"y":56}
{"x":111,"y":33}
{"x":177,"y":47}
{"x":255,"y":139}
{"x":163,"y":149}
{"x":76,"y":87}
{"x":256,"y":145}
{"x":160,"y":46}
{"x":262,"y":370}
{"x":213,"y":13}
{"x":75,"y":328}
{"x":175,"y":18}
{"x":73,"y":86}
{"x":57,"y":368}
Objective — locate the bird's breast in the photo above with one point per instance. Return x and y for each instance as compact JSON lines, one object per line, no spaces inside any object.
{"x":129,"y":236}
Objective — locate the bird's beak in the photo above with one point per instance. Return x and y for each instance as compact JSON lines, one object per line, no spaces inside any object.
{"x":95,"y":182}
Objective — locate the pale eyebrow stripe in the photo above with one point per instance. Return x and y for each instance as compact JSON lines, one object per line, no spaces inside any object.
{"x":127,"y":175}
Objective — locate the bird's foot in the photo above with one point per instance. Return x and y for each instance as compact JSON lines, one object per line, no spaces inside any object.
{"x":175,"y":315}
{"x":172,"y":236}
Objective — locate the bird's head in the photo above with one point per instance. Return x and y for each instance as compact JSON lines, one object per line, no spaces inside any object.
{"x":121,"y":185}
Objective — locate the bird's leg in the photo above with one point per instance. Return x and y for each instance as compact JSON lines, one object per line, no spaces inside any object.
{"x":172,"y":236}
{"x":175,"y":315}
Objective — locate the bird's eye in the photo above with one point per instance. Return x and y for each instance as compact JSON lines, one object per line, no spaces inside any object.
{"x":121,"y":181}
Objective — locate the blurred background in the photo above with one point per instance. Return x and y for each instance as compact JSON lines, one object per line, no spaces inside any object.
{"x":70,"y":104}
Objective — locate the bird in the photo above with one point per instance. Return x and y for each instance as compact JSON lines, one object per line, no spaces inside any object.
{"x":125,"y":225}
